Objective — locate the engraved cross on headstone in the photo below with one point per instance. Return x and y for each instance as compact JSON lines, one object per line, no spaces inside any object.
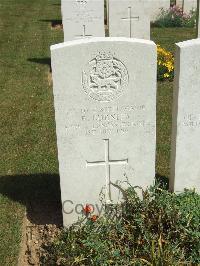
{"x":84,"y":33}
{"x":130,"y":19}
{"x":107,"y":163}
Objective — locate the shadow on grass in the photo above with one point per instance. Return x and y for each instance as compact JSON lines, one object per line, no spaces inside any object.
{"x":43,"y":61}
{"x":54,"y":22}
{"x":40,"y":193}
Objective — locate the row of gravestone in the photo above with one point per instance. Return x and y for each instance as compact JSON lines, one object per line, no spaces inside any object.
{"x":85,"y":18}
{"x":126,"y":18}
{"x":105,"y":107}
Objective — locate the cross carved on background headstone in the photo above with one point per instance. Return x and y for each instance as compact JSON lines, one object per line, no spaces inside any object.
{"x":130,"y":19}
{"x":107,"y":163}
{"x":84,"y":35}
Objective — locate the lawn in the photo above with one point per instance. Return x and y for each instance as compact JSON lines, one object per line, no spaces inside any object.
{"x":166,"y":37}
{"x":28,"y":166}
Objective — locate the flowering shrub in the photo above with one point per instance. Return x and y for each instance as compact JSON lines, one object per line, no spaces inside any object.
{"x":175,"y":17}
{"x":87,"y":211}
{"x":159,"y":228}
{"x":165,"y":64}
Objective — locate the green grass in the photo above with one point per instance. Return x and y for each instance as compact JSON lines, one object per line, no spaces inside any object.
{"x":28,"y":165}
{"x":166,"y":37}
{"x":28,"y":140}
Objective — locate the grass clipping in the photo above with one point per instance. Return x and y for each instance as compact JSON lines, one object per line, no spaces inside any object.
{"x":159,"y":228}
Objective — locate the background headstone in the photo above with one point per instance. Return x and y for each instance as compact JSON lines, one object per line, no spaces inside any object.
{"x":128,"y":19}
{"x":105,"y":106}
{"x":82,"y":18}
{"x":185,"y":160}
{"x":154,"y":7}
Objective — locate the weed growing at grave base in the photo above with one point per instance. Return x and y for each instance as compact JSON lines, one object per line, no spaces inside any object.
{"x":160,"y":228}
{"x":165,"y":64}
{"x":175,"y":17}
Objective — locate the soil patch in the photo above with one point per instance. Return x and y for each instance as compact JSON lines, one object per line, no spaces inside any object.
{"x":42,"y":223}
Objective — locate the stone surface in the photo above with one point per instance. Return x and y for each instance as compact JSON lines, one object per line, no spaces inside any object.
{"x":82,"y":18}
{"x":185,"y":159}
{"x":154,"y":7}
{"x":187,"y":5}
{"x":105,"y":106}
{"x":128,"y":19}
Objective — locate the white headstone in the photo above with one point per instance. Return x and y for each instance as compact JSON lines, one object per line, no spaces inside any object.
{"x":155,"y":7}
{"x":187,"y":5}
{"x":128,"y":19}
{"x":105,"y":106}
{"x":185,"y":160}
{"x":82,"y":19}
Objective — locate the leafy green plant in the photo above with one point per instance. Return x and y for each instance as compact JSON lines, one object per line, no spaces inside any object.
{"x":159,"y":228}
{"x":175,"y":17}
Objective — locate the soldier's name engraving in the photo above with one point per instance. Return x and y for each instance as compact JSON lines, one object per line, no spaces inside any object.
{"x":83,"y":13}
{"x":106,"y":120}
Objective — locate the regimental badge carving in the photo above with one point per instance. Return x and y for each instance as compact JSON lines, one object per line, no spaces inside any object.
{"x":105,"y":78}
